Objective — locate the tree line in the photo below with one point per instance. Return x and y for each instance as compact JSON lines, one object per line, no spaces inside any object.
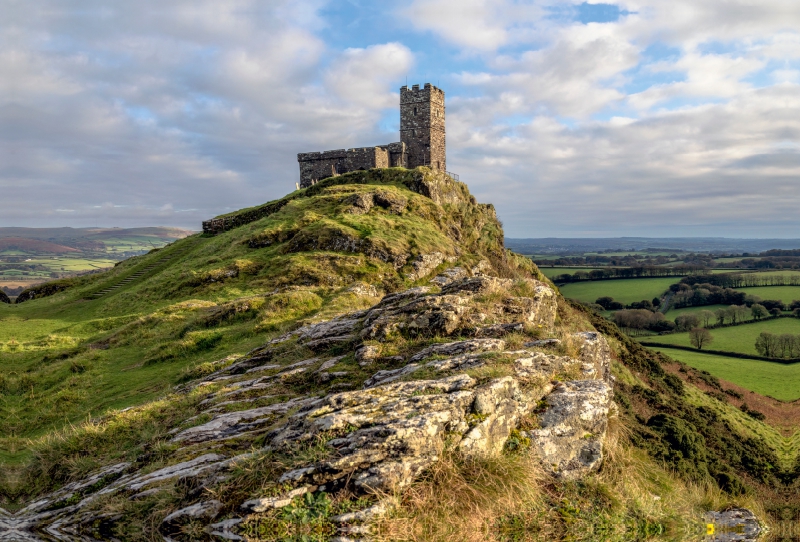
{"x":635,"y":321}
{"x":743,"y":280}
{"x":628,"y":273}
{"x":771,"y":345}
{"x":700,"y":294}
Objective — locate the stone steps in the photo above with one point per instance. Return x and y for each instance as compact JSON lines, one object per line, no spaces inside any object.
{"x":142,"y":272}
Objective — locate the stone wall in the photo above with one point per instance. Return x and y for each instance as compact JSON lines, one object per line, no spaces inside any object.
{"x":321,"y":165}
{"x":422,"y":126}
{"x":422,"y":142}
{"x":315,"y":166}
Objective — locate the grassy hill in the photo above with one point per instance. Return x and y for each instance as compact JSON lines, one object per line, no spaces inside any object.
{"x":94,"y":376}
{"x":223,"y":296}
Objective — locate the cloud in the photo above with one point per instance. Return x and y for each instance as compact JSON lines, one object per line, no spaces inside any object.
{"x":701,"y":167}
{"x":204,"y":104}
{"x":365,"y":75}
{"x":678,"y":116}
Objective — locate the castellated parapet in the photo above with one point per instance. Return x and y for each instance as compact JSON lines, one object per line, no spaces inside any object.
{"x":422,"y":126}
{"x":422,"y":141}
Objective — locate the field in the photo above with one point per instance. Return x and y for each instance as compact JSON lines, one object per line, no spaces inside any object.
{"x":622,"y":290}
{"x":763,"y":377}
{"x":551,"y":272}
{"x":741,"y":338}
{"x":30,"y":256}
{"x":787,"y":294}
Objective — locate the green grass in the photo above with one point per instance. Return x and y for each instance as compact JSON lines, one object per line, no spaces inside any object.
{"x":787,"y":294}
{"x":551,"y":272}
{"x":763,"y":377}
{"x":741,"y":338}
{"x":623,"y":290}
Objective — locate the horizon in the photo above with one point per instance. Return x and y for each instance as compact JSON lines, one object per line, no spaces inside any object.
{"x":574,"y":119}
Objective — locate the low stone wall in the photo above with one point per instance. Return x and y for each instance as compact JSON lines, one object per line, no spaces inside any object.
{"x":316,"y":166}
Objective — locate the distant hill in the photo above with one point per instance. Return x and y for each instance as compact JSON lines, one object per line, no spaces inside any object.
{"x":557,"y":245}
{"x":31,"y":256}
{"x":33,"y":245}
{"x":53,"y":234}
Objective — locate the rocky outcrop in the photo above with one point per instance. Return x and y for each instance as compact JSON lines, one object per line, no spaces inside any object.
{"x":339,"y":239}
{"x":361,"y":203}
{"x":424,"y":264}
{"x":449,"y":275}
{"x":383,"y":436}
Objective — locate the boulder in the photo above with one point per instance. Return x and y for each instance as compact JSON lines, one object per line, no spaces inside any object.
{"x":734,"y":525}
{"x":359,"y":203}
{"x":573,"y":427}
{"x":424,"y":264}
{"x":595,"y":351}
{"x":232,"y":424}
{"x":449,"y":275}
{"x":423,"y":315}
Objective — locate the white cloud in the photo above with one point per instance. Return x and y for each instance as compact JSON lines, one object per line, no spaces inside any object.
{"x":204,"y":103}
{"x":201,"y":103}
{"x":365,"y":76}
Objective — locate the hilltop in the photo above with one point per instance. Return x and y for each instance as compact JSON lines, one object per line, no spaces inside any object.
{"x":363,"y":358}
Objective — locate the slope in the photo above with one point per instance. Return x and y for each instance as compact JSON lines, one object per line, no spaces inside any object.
{"x":363,"y":338}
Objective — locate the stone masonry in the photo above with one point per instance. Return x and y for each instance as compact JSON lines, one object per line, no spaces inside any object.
{"x":422,"y":142}
{"x":422,"y":126}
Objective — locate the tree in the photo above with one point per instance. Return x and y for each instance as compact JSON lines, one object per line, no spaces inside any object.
{"x":699,"y":337}
{"x":766,"y":344}
{"x":685,"y":322}
{"x":605,"y":301}
{"x":722,"y":315}
{"x":706,"y":316}
{"x":759,"y":311}
{"x":785,"y":345}
{"x":771,"y":304}
{"x":741,"y":311}
{"x":656,"y":302}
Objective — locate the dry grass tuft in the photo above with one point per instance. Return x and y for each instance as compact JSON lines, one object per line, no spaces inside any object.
{"x":465,"y":498}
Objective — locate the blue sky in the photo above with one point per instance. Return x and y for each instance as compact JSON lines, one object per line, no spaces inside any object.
{"x":651,"y":117}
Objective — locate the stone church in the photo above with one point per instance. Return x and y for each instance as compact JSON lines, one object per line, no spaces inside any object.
{"x":422,"y":141}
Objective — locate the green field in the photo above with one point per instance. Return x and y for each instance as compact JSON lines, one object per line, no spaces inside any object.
{"x":622,"y":290}
{"x":763,"y":377}
{"x":787,"y":294}
{"x":737,"y":338}
{"x":551,"y":272}
{"x":30,"y":256}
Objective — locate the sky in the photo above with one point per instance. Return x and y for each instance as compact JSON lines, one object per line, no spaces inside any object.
{"x":641,"y":118}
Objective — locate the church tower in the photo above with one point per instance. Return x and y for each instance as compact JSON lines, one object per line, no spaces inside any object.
{"x":422,"y":126}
